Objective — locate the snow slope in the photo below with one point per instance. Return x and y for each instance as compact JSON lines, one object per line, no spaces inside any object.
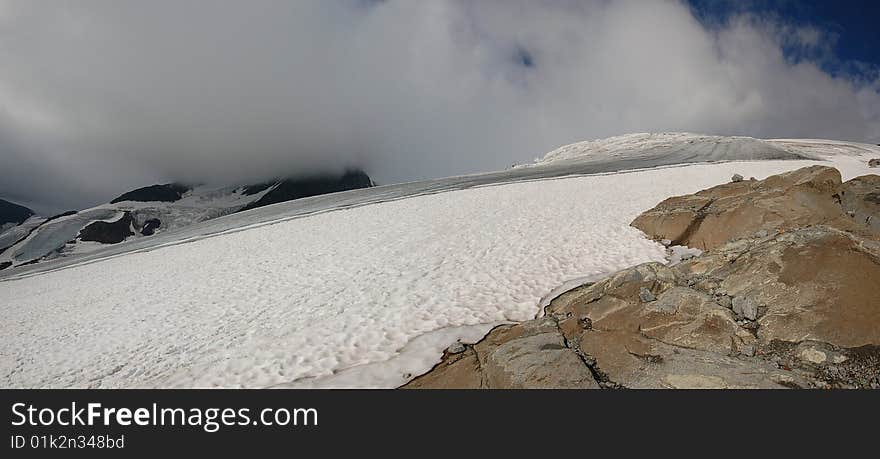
{"x":13,"y":234}
{"x":304,"y":295}
{"x":365,"y":296}
{"x":193,"y":217}
{"x":827,"y":148}
{"x":681,"y":145}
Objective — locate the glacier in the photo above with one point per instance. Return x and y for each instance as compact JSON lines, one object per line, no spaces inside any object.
{"x":362,"y":288}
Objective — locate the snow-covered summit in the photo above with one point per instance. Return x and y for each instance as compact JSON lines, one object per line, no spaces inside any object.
{"x":704,"y":148}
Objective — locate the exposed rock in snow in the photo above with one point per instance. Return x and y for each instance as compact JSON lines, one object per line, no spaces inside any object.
{"x":108,"y":232}
{"x":168,"y":192}
{"x":150,"y":226}
{"x":296,"y":188}
{"x":13,"y":213}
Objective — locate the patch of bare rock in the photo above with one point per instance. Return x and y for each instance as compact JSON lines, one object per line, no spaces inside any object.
{"x":785,"y":295}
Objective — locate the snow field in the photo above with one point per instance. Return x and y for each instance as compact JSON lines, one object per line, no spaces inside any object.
{"x":360,"y":297}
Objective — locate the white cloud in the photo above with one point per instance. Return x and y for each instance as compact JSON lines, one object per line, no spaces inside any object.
{"x":97,"y":97}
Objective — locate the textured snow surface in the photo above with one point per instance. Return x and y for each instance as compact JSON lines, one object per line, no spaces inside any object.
{"x":13,"y":234}
{"x":684,"y":146}
{"x":54,"y":234}
{"x":819,"y":147}
{"x":347,"y":295}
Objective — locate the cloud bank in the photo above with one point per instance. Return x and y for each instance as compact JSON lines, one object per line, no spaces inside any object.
{"x":97,"y":97}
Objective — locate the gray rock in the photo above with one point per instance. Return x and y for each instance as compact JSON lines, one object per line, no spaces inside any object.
{"x":586,"y":323}
{"x":736,"y":178}
{"x":745,"y":307}
{"x":456,"y":348}
{"x":646,"y":296}
{"x":874,"y":162}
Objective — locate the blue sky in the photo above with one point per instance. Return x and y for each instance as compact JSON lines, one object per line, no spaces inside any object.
{"x":851,"y":31}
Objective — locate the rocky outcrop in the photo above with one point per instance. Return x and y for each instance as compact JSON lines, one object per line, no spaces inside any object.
{"x":150,"y":226}
{"x":108,"y":232}
{"x":784,"y":297}
{"x":296,"y":188}
{"x":533,"y":355}
{"x":874,"y":162}
{"x":735,"y":210}
{"x":13,"y":213}
{"x":169,"y":192}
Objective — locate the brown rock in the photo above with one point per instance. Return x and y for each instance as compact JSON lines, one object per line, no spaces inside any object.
{"x":532,"y":355}
{"x":456,"y":371}
{"x":736,"y":210}
{"x":683,"y":339}
{"x":815,"y":283}
{"x":860,"y":198}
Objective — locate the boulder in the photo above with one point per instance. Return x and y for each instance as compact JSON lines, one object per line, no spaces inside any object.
{"x":295,"y":188}
{"x":456,"y":348}
{"x":875,"y":162}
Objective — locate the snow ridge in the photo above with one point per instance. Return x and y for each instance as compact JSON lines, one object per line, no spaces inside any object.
{"x":686,"y":145}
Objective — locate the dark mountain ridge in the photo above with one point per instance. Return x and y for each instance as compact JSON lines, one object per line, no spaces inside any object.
{"x":169,"y":192}
{"x":13,"y":213}
{"x":295,"y":188}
